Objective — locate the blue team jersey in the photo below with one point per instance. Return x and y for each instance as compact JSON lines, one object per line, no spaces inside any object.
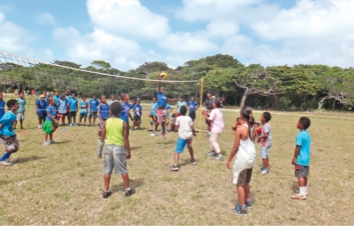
{"x":132,"y":106}
{"x":161,"y":99}
{"x":303,"y":139}
{"x":153,"y":108}
{"x":192,"y":106}
{"x":2,"y":108}
{"x":124,"y":115}
{"x":41,"y":106}
{"x":51,"y":110}
{"x":103,"y":109}
{"x":73,"y":104}
{"x":138,"y":110}
{"x":56,"y":98}
{"x":7,"y":120}
{"x":62,"y":104}
{"x":168,"y":107}
{"x":21,"y":104}
{"x":85,"y":105}
{"x":93,"y":105}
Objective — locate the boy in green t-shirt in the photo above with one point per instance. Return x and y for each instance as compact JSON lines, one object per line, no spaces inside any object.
{"x":116,"y":151}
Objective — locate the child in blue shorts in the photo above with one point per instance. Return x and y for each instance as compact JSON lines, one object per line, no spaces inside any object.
{"x":7,"y":134}
{"x":301,"y":158}
{"x":184,"y":126}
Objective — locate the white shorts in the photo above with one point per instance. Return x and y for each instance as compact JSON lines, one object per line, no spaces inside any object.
{"x":20,"y":116}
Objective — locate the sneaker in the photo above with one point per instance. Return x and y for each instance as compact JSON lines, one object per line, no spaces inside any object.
{"x":135,"y":127}
{"x":46,"y":143}
{"x":71,"y":124}
{"x":194,"y":162}
{"x":240,"y":210}
{"x":74,"y":124}
{"x":89,"y":125}
{"x":261,"y":169}
{"x":106,"y":194}
{"x":39,"y":126}
{"x":248,"y":204}
{"x":219,"y":157}
{"x":53,"y":142}
{"x":8,"y":160}
{"x":129,"y":192}
{"x":4,"y":163}
{"x":265,"y":171}
{"x":298,"y":197}
{"x":211,"y":153}
{"x":174,"y":168}
{"x":163,"y":135}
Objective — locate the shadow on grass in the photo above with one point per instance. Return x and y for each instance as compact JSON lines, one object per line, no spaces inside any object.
{"x":28,"y":159}
{"x":64,"y":142}
{"x":295,"y":187}
{"x":133,"y":183}
{"x":135,"y":148}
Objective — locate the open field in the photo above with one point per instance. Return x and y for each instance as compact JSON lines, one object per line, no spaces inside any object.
{"x":62,"y":184}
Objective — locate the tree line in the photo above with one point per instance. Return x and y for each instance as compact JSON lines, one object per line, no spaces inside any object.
{"x":277,"y":87}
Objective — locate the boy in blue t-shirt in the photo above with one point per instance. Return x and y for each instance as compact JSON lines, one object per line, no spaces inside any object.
{"x":7,"y":134}
{"x":20,"y":114}
{"x":301,"y":158}
{"x":192,"y":107}
{"x":2,"y":105}
{"x":51,"y":122}
{"x":138,"y":111}
{"x":103,"y":114}
{"x":93,"y":109}
{"x":73,"y":106}
{"x":152,"y":115}
{"x":83,"y":111}
{"x":63,"y":109}
{"x":41,"y":105}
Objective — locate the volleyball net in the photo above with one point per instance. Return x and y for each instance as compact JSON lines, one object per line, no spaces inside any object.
{"x":34,"y":77}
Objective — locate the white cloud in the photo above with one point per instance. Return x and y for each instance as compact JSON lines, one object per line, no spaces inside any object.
{"x":127,"y":18}
{"x":99,"y":45}
{"x":13,"y":38}
{"x":45,"y":19}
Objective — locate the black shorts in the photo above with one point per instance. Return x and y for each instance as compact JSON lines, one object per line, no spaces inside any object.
{"x":301,"y":171}
{"x":83,"y":116}
{"x":72,"y":114}
{"x":192,"y":115}
{"x":244,"y":177}
{"x":137,"y":119}
{"x":41,"y":116}
{"x":93,"y":114}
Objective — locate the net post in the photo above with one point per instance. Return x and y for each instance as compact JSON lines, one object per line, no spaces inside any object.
{"x":201,"y":104}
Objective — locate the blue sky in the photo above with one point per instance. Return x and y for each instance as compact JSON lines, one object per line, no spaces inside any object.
{"x":128,"y":33}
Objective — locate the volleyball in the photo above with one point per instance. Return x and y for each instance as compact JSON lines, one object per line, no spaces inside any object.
{"x":164,"y":75}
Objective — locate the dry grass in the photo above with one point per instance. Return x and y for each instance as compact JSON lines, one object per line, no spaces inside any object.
{"x":62,"y":184}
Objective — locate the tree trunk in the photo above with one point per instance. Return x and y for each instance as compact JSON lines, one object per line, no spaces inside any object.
{"x":243,"y":100}
{"x":320,"y":104}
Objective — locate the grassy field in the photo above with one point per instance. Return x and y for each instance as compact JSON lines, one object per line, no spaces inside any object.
{"x":62,"y":184}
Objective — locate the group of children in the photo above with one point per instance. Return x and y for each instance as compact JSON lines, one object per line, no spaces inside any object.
{"x":114,"y":138}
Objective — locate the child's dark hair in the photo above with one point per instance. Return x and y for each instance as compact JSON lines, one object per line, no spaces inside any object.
{"x":267,"y":116}
{"x":183,"y":110}
{"x":237,"y":119}
{"x":305,"y":122}
{"x":122,"y":96}
{"x":116,"y":108}
{"x":217,"y":101}
{"x":94,"y":95}
{"x":247,"y":114}
{"x":11,"y":103}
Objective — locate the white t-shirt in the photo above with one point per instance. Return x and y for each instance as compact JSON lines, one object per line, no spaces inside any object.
{"x":217,"y":122}
{"x":184,"y":130}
